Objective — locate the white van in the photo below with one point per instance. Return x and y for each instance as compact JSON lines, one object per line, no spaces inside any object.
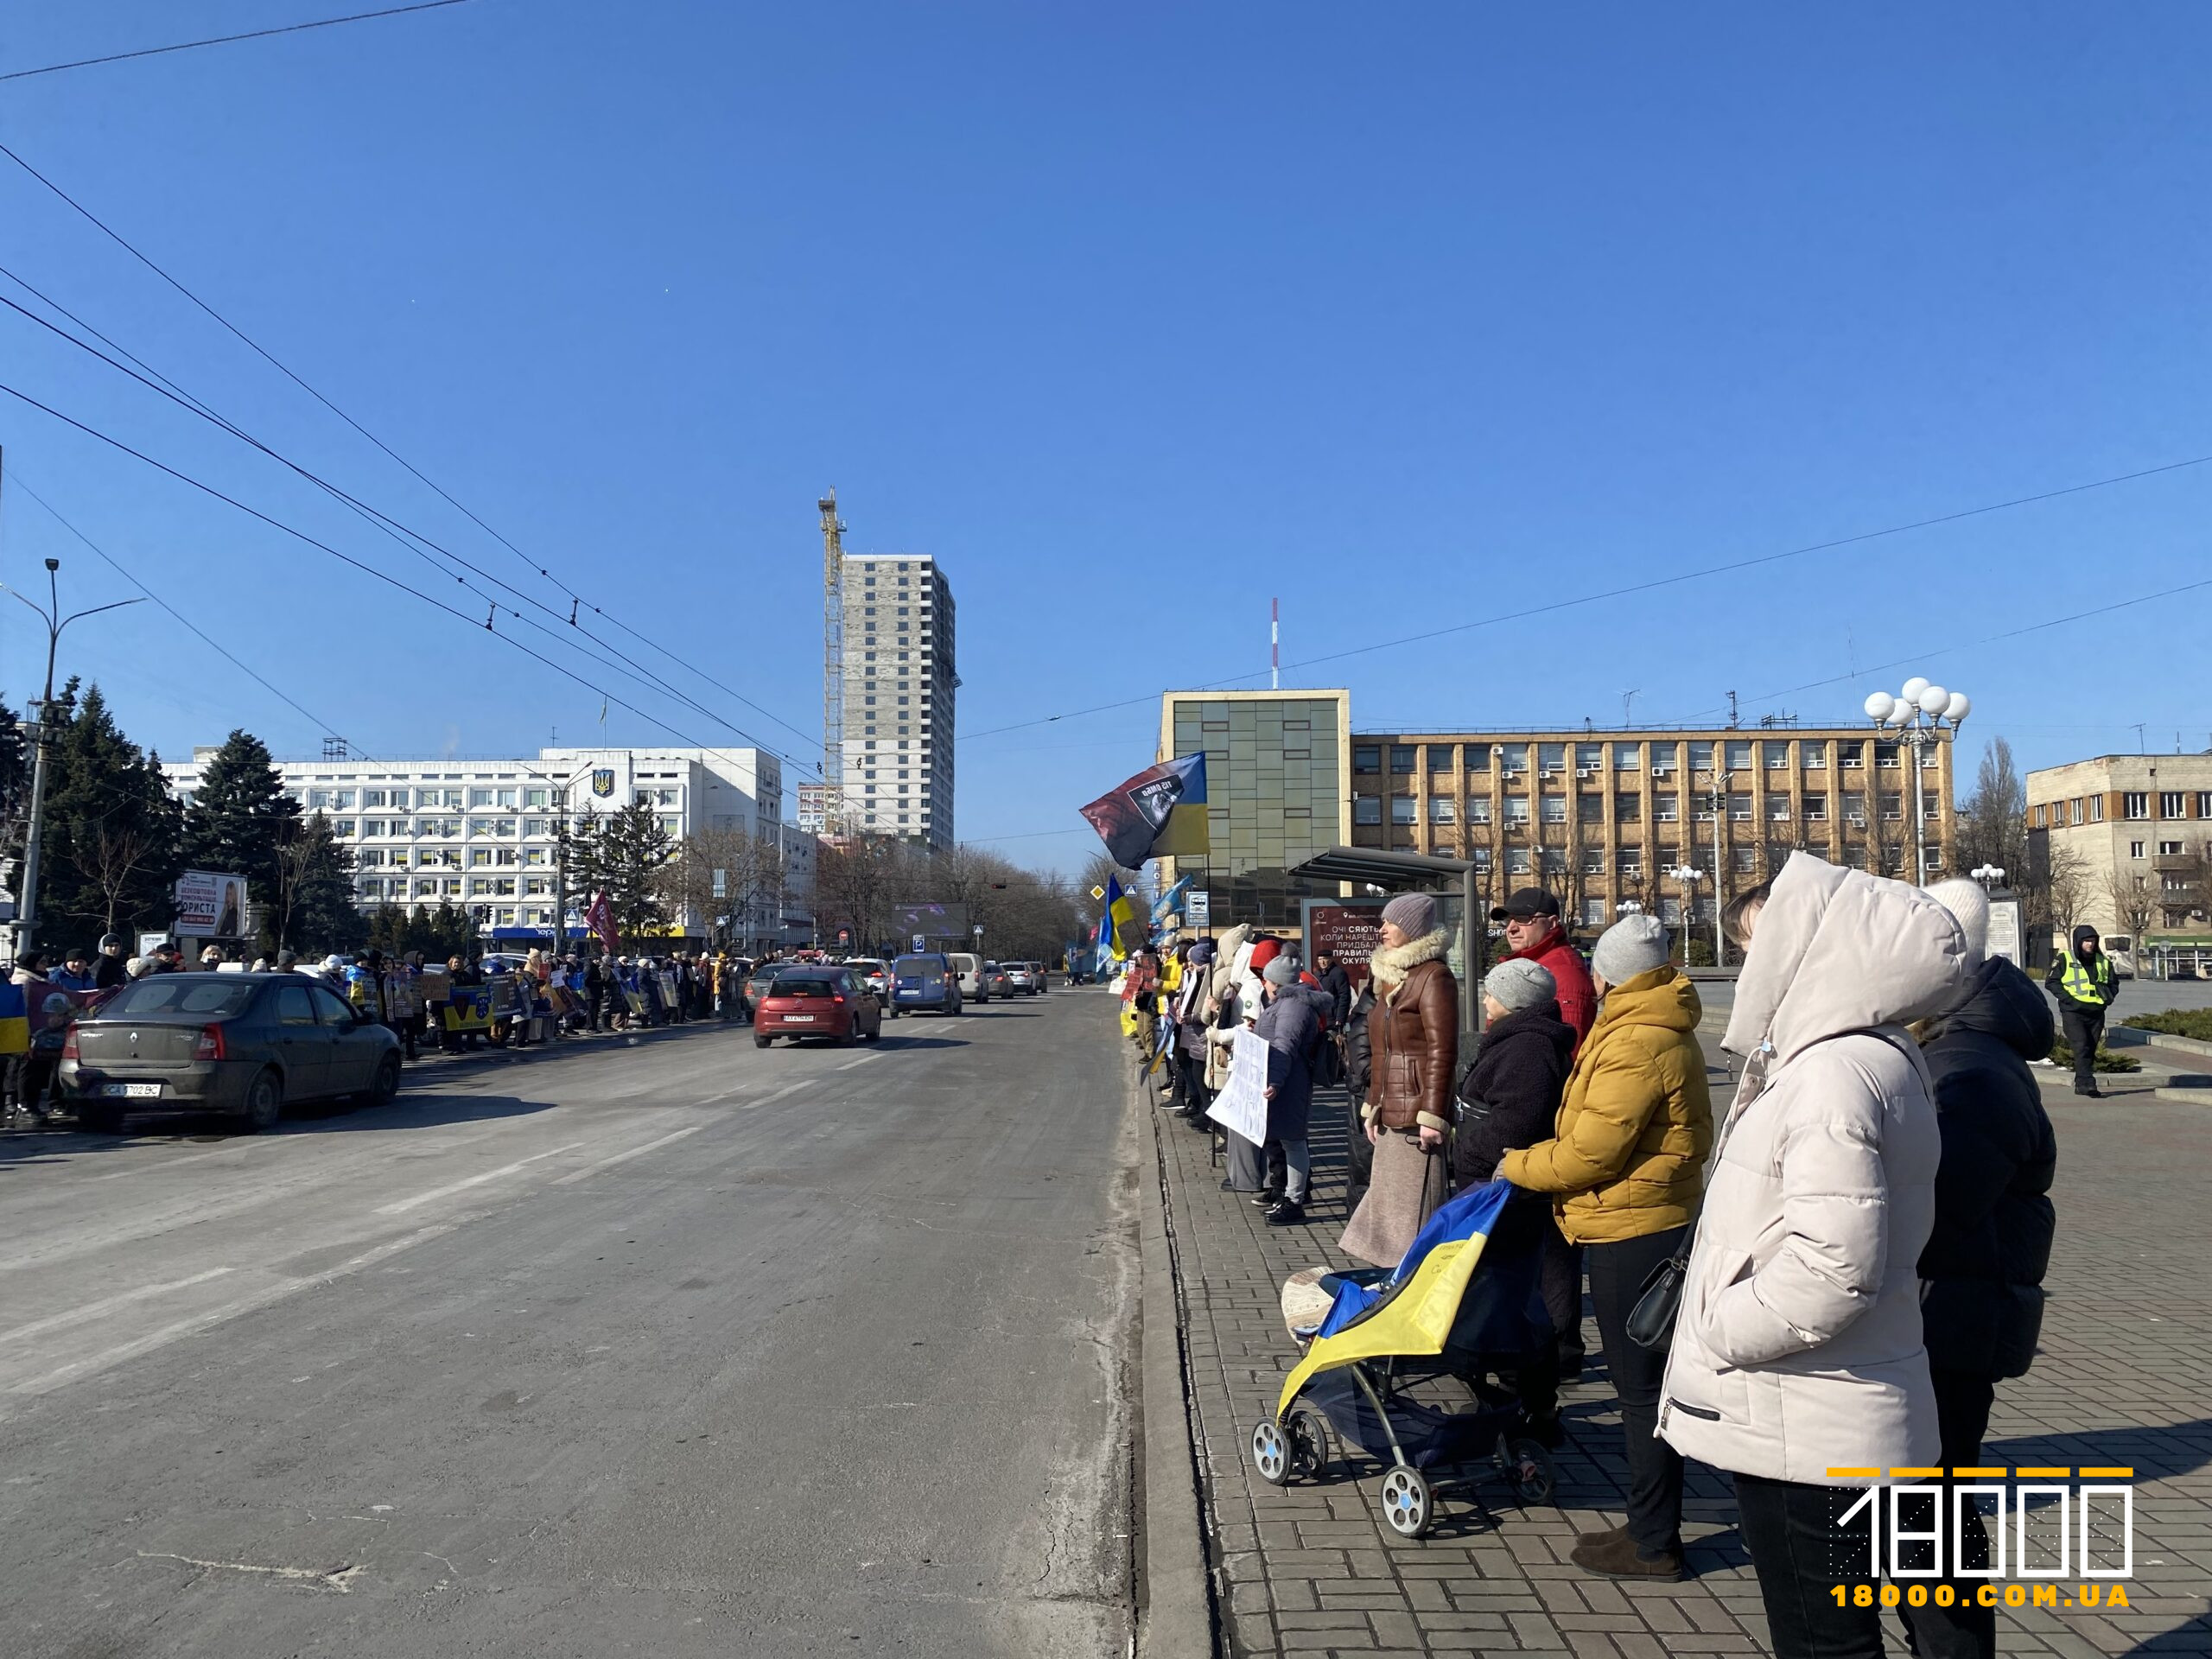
{"x":970,"y":967}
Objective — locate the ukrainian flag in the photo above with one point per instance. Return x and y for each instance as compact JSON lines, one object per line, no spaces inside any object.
{"x":15,"y":1020}
{"x":1412,"y":1312}
{"x":1128,"y":920}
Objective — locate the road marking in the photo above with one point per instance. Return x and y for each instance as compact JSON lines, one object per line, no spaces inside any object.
{"x":93,"y":1310}
{"x":788,"y":1089}
{"x":863,"y":1060}
{"x":404,"y":1204}
{"x":173,"y":1163}
{"x":624,"y":1157}
{"x":341,"y":1580}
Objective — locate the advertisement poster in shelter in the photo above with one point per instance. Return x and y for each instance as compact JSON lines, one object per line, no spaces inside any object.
{"x":1346,"y":927}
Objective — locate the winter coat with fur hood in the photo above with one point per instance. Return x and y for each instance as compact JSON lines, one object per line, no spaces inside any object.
{"x":1797,"y":1346}
{"x":1413,"y":1034}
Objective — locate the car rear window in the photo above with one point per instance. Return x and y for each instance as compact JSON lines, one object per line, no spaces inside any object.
{"x":794,"y":985}
{"x":918,"y":968}
{"x":215,"y":997}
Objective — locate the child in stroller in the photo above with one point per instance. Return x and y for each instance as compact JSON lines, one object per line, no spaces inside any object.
{"x":1452,"y":1307}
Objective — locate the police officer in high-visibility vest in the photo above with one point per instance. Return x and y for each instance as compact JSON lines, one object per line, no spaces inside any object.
{"x":2083,"y":982}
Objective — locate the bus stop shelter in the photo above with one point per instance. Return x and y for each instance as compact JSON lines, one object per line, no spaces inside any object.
{"x":1449,"y":880}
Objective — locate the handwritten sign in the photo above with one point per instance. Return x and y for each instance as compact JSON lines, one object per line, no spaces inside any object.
{"x":1241,"y":1106}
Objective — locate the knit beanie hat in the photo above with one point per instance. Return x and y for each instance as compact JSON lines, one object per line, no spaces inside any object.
{"x":1969,"y":907}
{"x":1633,"y":945}
{"x":1412,"y":913}
{"x":1263,"y":952}
{"x":1520,"y":984}
{"x":1281,"y":970}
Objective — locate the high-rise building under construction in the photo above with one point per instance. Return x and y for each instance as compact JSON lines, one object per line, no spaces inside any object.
{"x":898,"y":681}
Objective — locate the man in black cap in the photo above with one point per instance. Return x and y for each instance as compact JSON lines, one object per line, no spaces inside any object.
{"x":1533,"y":933}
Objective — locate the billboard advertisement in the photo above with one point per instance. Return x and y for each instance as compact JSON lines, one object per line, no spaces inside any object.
{"x":211,"y":905}
{"x":939,"y":923}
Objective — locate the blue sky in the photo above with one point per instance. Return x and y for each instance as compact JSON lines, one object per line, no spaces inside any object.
{"x":1134,"y":317}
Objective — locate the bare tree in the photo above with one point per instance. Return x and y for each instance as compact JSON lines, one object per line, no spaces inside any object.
{"x":2133,"y":904}
{"x":748,"y":908}
{"x":2067,"y":888}
{"x":1993,"y":820}
{"x":113,"y":854}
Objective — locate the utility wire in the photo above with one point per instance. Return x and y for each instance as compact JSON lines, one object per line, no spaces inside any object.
{"x":406,"y":537}
{"x":226,"y":39}
{"x":1675,"y":579}
{"x":567,"y":592}
{"x":16,"y":478}
{"x":561,"y":669}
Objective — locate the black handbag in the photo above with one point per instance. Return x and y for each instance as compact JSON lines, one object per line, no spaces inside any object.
{"x":1651,"y":1321}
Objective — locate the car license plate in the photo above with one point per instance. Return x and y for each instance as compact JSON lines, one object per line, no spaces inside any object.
{"x":132,"y":1091}
{"x":798,"y":1018}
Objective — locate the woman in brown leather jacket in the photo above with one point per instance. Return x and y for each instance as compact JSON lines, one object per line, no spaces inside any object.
{"x":1414,"y":1038}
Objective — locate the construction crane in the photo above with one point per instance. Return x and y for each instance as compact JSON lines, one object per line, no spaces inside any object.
{"x":833,"y":666}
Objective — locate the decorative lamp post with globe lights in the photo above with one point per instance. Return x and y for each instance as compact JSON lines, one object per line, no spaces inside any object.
{"x":1921,"y":715}
{"x":1687,"y":876}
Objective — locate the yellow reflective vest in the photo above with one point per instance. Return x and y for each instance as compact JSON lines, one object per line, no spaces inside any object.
{"x":2091,"y":989}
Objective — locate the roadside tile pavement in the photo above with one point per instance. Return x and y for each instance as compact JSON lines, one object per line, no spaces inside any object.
{"x":1311,"y":1568}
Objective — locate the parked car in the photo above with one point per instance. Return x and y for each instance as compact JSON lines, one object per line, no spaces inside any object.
{"x":819,"y":1001}
{"x":1041,"y":976}
{"x":873,"y":974}
{"x":925,"y":983}
{"x":970,"y":967}
{"x":999,"y":981}
{"x":241,"y":1044}
{"x":758,"y":980}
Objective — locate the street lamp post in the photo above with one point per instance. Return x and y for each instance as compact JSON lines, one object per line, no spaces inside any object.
{"x":1991,"y":876}
{"x":1687,"y":876}
{"x":1922,"y":715}
{"x":42,"y":714}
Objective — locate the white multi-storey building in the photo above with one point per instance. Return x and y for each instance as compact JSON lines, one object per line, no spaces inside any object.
{"x":898,"y":684}
{"x":483,"y":833}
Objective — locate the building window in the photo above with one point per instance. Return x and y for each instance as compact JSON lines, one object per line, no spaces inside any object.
{"x":1367,"y":756}
{"x":1516,"y":808}
{"x":1440,"y":809}
{"x":1853,"y":758}
{"x":1551,"y":759}
{"x":1476,"y":759}
{"x":1816,"y":757}
{"x":1892,"y":804}
{"x":1628,"y":808}
{"x":1401,"y":808}
{"x":1666,"y":808}
{"x":1776,"y":755}
{"x":1885,"y":755}
{"x":2204,"y":803}
{"x":1367,"y":809}
{"x":1554,"y":809}
{"x":1480,"y":858}
{"x":1517,"y":861}
{"x":2135,"y":805}
{"x":1593,"y":860}
{"x":1554,"y":861}
{"x":1477,"y":809}
{"x":1739,"y":755}
{"x":1816,"y":809}
{"x":2135,"y":849}
{"x":2170,"y":804}
{"x":1440,"y":756}
{"x":2096,"y":808}
{"x":1743,"y":860}
{"x":1589,"y":757}
{"x":1628,"y":757}
{"x":1402,"y":757}
{"x":2169,"y":850}
{"x":1701,"y":756}
{"x":1628,"y":862}
{"x":1740,"y":807}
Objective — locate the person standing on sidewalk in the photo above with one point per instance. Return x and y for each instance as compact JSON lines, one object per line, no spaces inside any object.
{"x":1414,"y":1034}
{"x":1982,"y":1271}
{"x":1534,"y":933}
{"x":1291,"y":1026}
{"x":1510,"y":1098}
{"x":1797,"y":1347}
{"x":2083,"y":982}
{"x":1624,"y":1167}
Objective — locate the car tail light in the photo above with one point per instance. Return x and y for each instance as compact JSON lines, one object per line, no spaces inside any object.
{"x":69,"y":1050}
{"x":838,"y":999}
{"x":210,"y":1047}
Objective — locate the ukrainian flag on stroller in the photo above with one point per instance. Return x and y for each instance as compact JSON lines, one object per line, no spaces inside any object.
{"x":1437,"y":1313}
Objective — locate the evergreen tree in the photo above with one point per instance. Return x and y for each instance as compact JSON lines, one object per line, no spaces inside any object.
{"x":240,"y":819}
{"x":315,"y":910}
{"x":625,"y":856}
{"x":108,"y":849}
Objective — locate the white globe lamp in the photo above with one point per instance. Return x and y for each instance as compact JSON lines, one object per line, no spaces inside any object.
{"x":1878,"y":705}
{"x":1913,"y":687}
{"x":1958,"y":708}
{"x":1933,"y":699}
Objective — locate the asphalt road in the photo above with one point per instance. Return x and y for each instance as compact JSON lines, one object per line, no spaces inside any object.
{"x":674,"y":1349}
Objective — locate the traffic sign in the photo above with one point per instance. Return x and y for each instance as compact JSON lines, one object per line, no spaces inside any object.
{"x":1198,"y":909}
{"x":1098,"y":893}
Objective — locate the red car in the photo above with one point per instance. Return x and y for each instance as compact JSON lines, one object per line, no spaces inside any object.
{"x":816,"y":1002}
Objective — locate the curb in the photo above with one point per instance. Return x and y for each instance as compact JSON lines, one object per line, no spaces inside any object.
{"x":1176,"y":1615}
{"x":2139,"y":1038}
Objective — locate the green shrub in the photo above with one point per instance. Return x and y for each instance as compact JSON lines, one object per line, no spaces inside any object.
{"x":2175,"y":1022}
{"x":2062,"y":1056}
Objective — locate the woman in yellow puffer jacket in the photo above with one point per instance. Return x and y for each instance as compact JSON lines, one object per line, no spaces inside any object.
{"x":1624,"y":1168}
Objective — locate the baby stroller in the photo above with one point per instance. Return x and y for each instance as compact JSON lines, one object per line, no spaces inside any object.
{"x":1438,"y":1314}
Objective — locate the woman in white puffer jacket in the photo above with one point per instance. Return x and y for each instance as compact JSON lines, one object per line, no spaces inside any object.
{"x":1798,"y":1343}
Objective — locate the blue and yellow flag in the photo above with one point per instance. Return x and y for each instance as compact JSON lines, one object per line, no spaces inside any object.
{"x":15,"y":1020}
{"x":1159,"y":813}
{"x":1126,"y":919}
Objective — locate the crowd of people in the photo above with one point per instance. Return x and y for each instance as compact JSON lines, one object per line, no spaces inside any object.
{"x":1832,"y":1271}
{"x":530,"y":998}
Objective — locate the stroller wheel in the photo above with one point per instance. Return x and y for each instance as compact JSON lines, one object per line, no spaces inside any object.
{"x":1271,"y":1452}
{"x":1310,"y":1451}
{"x":1528,"y":1469}
{"x":1407,"y":1504}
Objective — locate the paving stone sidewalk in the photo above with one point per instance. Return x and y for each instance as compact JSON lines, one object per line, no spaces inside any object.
{"x":2125,"y":1378}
